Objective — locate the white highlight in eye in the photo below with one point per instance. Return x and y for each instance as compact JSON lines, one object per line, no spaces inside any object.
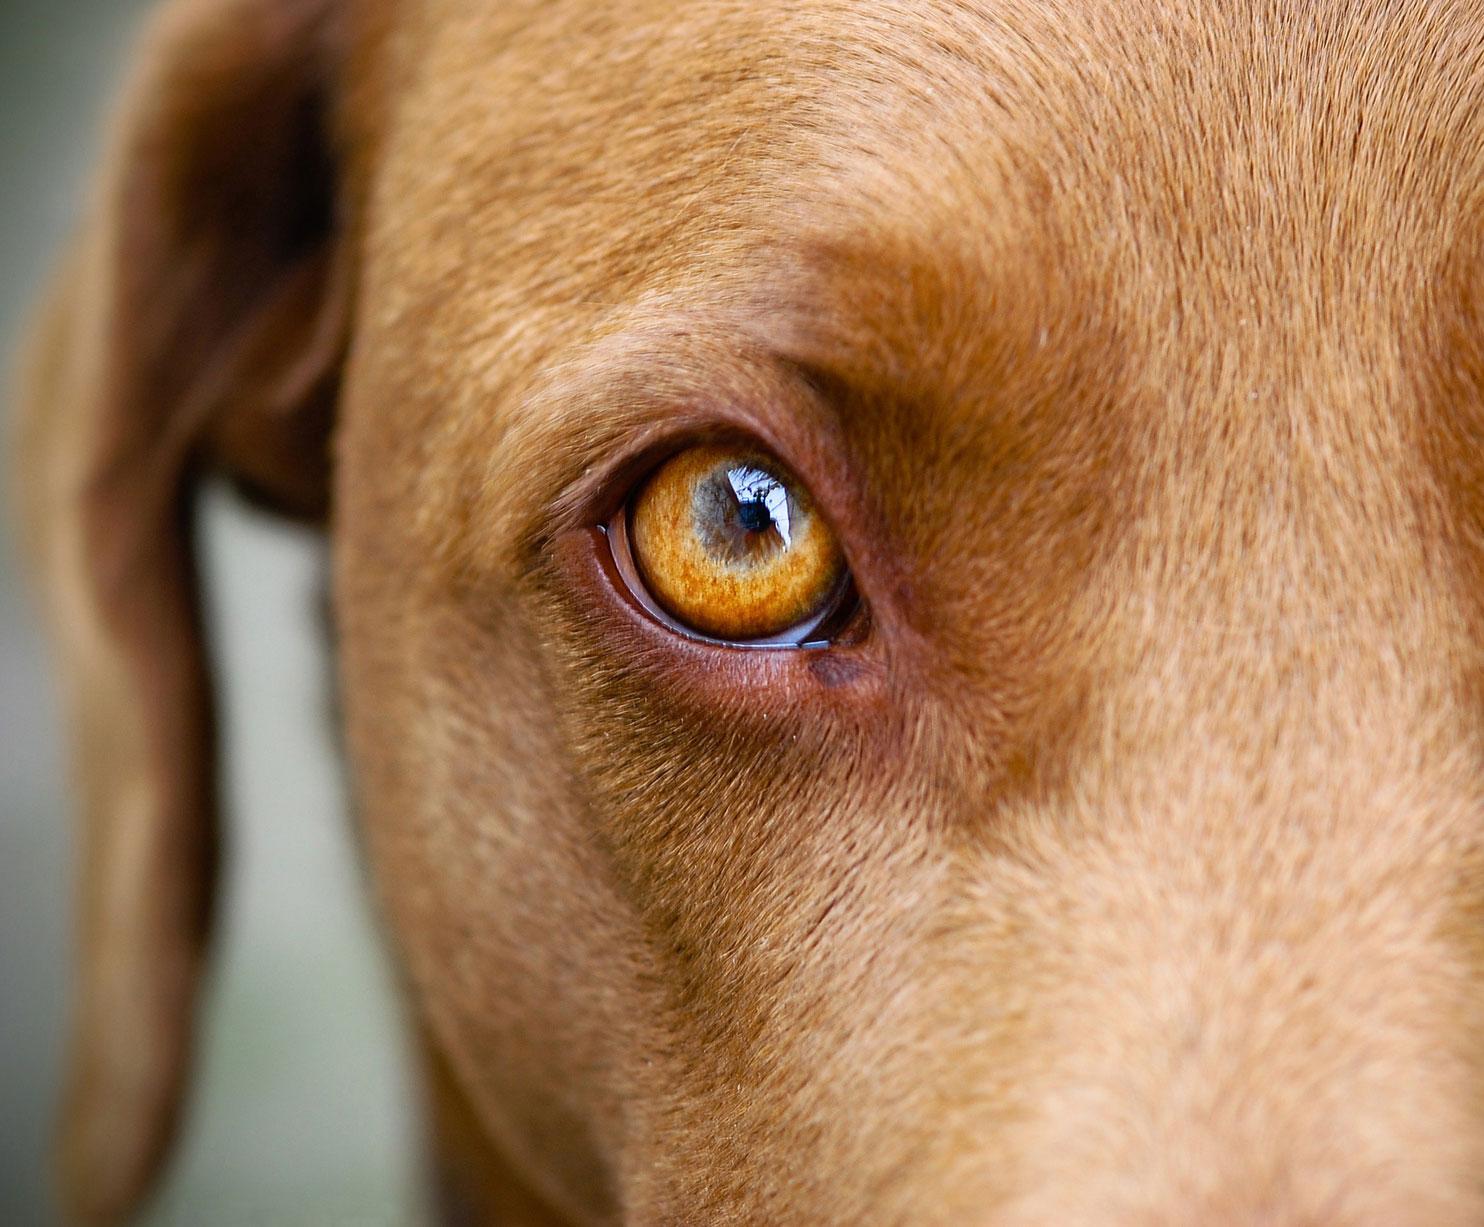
{"x":755,"y":486}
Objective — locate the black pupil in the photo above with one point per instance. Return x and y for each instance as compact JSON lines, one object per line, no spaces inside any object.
{"x":755,"y":515}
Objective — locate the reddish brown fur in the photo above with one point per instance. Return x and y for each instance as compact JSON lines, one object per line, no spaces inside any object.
{"x":1129,"y":870}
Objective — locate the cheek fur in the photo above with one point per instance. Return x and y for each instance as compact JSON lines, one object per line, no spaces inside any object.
{"x":712,"y":769}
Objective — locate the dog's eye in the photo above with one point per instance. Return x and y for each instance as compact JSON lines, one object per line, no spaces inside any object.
{"x":729,"y":544}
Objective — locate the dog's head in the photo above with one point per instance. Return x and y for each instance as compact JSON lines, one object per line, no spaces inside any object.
{"x":1084,"y":402}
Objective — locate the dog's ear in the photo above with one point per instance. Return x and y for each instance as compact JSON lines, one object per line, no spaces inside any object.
{"x":199,"y":325}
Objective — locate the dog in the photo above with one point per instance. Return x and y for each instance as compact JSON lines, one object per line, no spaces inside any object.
{"x":908,"y":589}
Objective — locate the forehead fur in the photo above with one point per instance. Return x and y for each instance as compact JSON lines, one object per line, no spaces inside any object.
{"x":1209,"y":176}
{"x":1110,"y":119}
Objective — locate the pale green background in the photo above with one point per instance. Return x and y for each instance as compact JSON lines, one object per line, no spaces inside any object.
{"x":301,"y":1115}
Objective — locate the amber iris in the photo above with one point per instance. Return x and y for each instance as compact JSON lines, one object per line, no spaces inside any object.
{"x":728,"y":542}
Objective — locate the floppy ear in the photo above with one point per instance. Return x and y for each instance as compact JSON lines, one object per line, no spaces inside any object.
{"x":198,"y":325}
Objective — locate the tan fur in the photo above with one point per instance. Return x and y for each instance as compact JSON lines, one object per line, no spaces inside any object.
{"x":1129,"y":871}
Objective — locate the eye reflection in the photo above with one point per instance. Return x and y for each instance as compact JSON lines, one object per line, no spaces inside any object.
{"x":762,"y":502}
{"x":729,"y":543}
{"x":742,"y":515}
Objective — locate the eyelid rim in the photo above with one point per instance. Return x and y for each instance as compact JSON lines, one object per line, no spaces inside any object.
{"x":755,"y":400}
{"x":596,"y":496}
{"x":625,"y":578}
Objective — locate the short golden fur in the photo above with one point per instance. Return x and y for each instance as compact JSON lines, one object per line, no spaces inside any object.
{"x":1128,"y":871}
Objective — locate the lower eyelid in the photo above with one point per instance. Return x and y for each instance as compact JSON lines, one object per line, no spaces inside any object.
{"x":849,"y":678}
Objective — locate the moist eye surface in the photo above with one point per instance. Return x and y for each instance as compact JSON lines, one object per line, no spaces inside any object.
{"x":728,"y":542}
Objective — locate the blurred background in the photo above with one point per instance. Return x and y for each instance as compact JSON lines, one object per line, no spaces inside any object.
{"x":300,"y":1114}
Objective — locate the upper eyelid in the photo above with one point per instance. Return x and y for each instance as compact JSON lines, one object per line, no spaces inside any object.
{"x":587,"y":499}
{"x":669,"y":425}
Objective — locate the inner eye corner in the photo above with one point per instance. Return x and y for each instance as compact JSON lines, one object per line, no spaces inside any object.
{"x":721,"y":544}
